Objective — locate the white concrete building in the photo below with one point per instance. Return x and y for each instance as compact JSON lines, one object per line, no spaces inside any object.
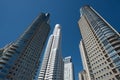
{"x":52,"y":65}
{"x":68,"y":69}
{"x":83,"y":75}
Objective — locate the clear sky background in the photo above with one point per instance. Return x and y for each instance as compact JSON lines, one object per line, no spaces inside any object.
{"x":17,"y":15}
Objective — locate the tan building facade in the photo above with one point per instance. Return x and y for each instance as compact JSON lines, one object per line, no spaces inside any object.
{"x":99,"y":47}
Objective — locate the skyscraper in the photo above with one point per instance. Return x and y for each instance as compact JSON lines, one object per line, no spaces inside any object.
{"x":19,"y":60}
{"x":68,"y":69}
{"x":52,"y":65}
{"x":100,"y":46}
{"x":82,"y":75}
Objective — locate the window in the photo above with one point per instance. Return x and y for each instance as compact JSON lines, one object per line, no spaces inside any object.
{"x":110,"y":73}
{"x":118,"y":76}
{"x":111,"y":65}
{"x":114,"y":70}
{"x":108,"y":60}
{"x":107,"y":67}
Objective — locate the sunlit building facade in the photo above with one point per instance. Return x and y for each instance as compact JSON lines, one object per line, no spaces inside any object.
{"x":99,"y":47}
{"x":20,"y":59}
{"x":68,"y":68}
{"x":52,"y":64}
{"x":83,"y":75}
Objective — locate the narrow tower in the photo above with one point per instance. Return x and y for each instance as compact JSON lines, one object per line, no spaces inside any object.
{"x":52,"y":65}
{"x":19,"y":60}
{"x":68,"y":68}
{"x":100,"y":46}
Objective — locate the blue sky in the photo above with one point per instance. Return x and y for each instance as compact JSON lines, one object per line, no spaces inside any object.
{"x":17,"y":15}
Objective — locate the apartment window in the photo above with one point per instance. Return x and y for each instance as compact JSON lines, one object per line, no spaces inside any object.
{"x":103,"y":58}
{"x":107,"y":74}
{"x":119,"y":53}
{"x":114,"y":70}
{"x":13,"y":68}
{"x":109,"y":60}
{"x":110,"y":73}
{"x":102,"y":63}
{"x":105,"y":62}
{"x":98,"y":61}
{"x":104,"y":75}
{"x":106,"y":56}
{"x":104,"y":68}
{"x":117,"y":76}
{"x":107,"y":67}
{"x":99,"y":71}
{"x":111,"y":65}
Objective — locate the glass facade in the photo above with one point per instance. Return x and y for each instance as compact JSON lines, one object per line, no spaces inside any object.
{"x":20,"y":59}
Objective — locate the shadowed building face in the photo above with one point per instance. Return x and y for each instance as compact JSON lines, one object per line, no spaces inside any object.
{"x":20,"y":60}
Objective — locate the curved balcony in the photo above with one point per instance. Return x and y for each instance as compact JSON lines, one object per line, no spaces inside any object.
{"x":3,"y":62}
{"x":5,"y":57}
{"x":15,"y":46}
{"x":117,"y":47}
{"x":11,"y":51}
{"x":112,"y":39}
{"x":1,"y":66}
{"x":8,"y":54}
{"x":118,"y":51}
{"x":115,"y":42}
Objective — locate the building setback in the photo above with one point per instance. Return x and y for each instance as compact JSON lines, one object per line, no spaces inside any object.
{"x":20,"y":59}
{"x":68,"y":69}
{"x":52,"y":65}
{"x":99,"y":47}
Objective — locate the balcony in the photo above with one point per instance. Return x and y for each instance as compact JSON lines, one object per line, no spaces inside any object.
{"x":15,"y":46}
{"x":11,"y":51}
{"x":8,"y":54}
{"x":3,"y":61}
{"x":112,"y":40}
{"x":115,"y":43}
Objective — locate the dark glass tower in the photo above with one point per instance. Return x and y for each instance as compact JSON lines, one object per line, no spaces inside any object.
{"x":20,"y":60}
{"x":100,"y":46}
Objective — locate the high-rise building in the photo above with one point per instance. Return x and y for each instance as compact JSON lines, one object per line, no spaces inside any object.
{"x":52,"y":64}
{"x":68,"y":69}
{"x":100,"y":46}
{"x":20,"y":59}
{"x":82,"y":75}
